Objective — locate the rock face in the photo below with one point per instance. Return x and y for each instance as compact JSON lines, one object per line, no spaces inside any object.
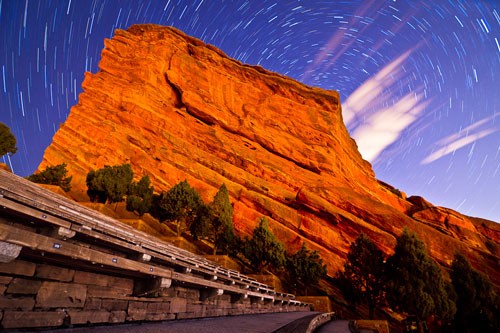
{"x":176,"y":108}
{"x":4,"y":166}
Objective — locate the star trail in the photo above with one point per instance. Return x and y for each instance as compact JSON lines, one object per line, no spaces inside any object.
{"x":418,"y":79}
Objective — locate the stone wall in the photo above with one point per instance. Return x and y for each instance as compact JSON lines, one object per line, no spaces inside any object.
{"x":45,"y":295}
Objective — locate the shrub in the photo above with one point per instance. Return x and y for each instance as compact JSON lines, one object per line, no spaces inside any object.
{"x":305,"y":268}
{"x":55,"y":175}
{"x":181,"y":205}
{"x":140,"y":196}
{"x":109,"y":184}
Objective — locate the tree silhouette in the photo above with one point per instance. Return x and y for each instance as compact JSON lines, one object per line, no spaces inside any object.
{"x":363,"y":277}
{"x":415,"y":284}
{"x":477,"y":302}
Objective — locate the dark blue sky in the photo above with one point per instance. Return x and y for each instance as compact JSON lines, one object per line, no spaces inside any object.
{"x":419,"y":80}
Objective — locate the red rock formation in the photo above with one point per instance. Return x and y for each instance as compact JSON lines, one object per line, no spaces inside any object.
{"x":176,"y":108}
{"x":4,"y":166}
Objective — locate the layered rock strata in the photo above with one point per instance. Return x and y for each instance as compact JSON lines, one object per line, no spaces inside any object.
{"x":177,"y":108}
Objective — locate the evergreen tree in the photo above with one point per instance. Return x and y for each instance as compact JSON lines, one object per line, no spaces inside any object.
{"x":140,"y":196}
{"x":182,"y":205}
{"x":477,"y":302}
{"x":109,"y":184}
{"x":55,"y":175}
{"x":263,"y":248}
{"x":415,"y":284}
{"x":222,"y":230}
{"x":7,"y":140}
{"x":200,"y":228}
{"x":305,"y":268}
{"x":363,"y":277}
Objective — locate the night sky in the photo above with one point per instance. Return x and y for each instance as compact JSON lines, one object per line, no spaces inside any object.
{"x":419,"y":80}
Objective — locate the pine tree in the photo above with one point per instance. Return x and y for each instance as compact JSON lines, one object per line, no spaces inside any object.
{"x":200,"y":228}
{"x":477,"y":302}
{"x":305,"y":268}
{"x":263,"y":249}
{"x":182,"y":205}
{"x":55,"y":175}
{"x":222,"y":230}
{"x":415,"y":284}
{"x":363,"y":277}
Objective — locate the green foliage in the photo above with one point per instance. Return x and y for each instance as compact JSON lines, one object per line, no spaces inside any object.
{"x":55,"y":175}
{"x":200,"y":228}
{"x":415,"y":284}
{"x":222,"y":230}
{"x":181,"y":205}
{"x":477,"y":302}
{"x":140,"y":196}
{"x":263,"y":248}
{"x":156,"y":209}
{"x":7,"y":140}
{"x":363,"y":277}
{"x":305,"y":268}
{"x":109,"y":184}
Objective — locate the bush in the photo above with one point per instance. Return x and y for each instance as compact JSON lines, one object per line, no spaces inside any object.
{"x":305,"y":268}
{"x":55,"y":175}
{"x":109,"y":184}
{"x":181,"y":205}
{"x":140,"y":196}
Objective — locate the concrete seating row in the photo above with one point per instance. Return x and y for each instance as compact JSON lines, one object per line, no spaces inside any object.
{"x":47,"y":222}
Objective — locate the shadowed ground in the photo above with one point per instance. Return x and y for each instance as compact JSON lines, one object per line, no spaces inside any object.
{"x":259,"y":323}
{"x":337,"y":326}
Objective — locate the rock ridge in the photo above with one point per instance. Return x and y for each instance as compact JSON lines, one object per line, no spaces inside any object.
{"x":177,"y":108}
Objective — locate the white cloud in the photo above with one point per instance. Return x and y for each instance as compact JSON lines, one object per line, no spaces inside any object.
{"x":371,"y":92}
{"x":452,"y":143}
{"x":376,"y":115}
{"x":385,"y":126}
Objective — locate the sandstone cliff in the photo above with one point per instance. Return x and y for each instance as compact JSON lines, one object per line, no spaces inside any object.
{"x":176,"y":108}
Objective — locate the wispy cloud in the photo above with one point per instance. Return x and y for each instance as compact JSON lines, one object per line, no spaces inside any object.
{"x":385,"y":126}
{"x":371,"y":92}
{"x":349,"y":33}
{"x":464,"y":137}
{"x":340,"y":40}
{"x":376,"y":115}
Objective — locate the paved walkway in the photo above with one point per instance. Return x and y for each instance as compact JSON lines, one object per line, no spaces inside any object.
{"x":258,"y":323}
{"x":336,"y":326}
